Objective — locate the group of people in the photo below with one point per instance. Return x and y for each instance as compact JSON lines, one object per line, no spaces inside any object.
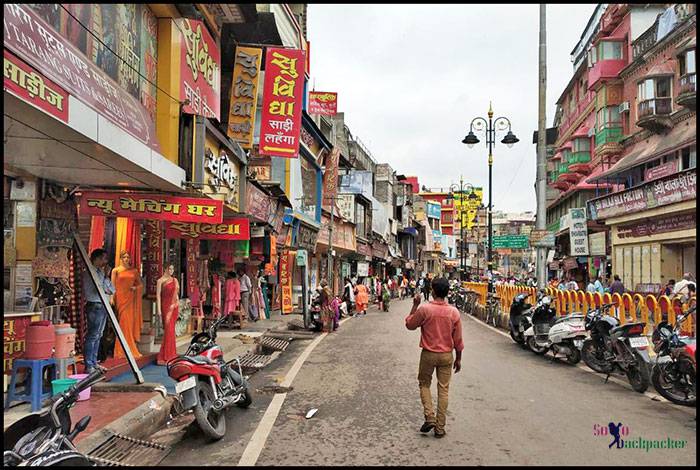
{"x":241,"y":294}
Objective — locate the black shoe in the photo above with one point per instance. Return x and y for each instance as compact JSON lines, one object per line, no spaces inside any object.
{"x":439,"y":435}
{"x":427,"y":427}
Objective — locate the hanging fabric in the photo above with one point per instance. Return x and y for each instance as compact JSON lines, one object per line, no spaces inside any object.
{"x":97,"y":232}
{"x":110,"y":233}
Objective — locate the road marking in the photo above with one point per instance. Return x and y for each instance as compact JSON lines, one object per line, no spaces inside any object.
{"x":585,"y":368}
{"x":257,"y":441}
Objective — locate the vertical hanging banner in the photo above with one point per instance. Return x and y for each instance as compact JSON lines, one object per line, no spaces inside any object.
{"x":286,"y":260}
{"x":330,"y":178}
{"x":153,"y":264}
{"x":192,"y":253}
{"x":280,"y":124}
{"x":244,"y":95}
{"x":200,"y":70}
{"x":323,"y":102}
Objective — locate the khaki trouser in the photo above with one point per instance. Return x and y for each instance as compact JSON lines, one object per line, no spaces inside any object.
{"x":442,"y":364}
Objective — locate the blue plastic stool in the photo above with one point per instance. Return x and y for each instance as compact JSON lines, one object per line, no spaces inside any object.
{"x":35,"y":395}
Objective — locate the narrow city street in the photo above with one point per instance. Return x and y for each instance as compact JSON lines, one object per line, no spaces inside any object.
{"x":507,"y":407}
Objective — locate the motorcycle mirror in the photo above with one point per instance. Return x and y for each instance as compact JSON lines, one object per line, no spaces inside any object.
{"x":80,"y":427}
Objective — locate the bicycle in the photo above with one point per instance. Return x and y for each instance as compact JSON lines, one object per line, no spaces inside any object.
{"x":493,"y":311}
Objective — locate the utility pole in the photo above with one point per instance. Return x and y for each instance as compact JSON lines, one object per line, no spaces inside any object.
{"x":330,"y":244}
{"x":541,"y":184}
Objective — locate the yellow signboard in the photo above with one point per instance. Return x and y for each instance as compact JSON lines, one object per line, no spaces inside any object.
{"x":244,"y":95}
{"x":468,"y":207}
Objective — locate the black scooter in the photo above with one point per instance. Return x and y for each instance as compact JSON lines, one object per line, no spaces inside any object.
{"x":45,"y":438}
{"x":520,"y":319}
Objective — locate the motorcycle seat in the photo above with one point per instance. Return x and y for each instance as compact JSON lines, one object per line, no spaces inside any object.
{"x":625,"y":326}
{"x":201,"y":360}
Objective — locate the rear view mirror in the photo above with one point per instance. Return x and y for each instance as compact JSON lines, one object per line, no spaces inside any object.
{"x":80,"y":427}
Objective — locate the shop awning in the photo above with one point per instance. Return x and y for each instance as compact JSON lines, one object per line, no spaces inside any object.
{"x":680,"y":136}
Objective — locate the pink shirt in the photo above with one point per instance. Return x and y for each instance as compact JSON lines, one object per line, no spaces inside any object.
{"x":441,"y":326}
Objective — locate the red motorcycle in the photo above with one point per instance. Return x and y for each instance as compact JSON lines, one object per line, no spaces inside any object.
{"x":207,"y":383}
{"x":675,"y":371}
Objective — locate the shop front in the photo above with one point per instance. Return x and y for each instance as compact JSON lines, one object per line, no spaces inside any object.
{"x":653,"y":229}
{"x":344,"y":245}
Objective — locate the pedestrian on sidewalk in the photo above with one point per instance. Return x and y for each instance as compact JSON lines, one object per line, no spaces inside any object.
{"x":95,"y":311}
{"x":246,"y":288}
{"x":349,"y":295}
{"x":426,"y":288}
{"x":327,"y":313}
{"x":441,"y":332}
{"x":361,"y":298}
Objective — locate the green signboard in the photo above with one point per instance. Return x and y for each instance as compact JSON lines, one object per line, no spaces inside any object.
{"x":515,"y":242}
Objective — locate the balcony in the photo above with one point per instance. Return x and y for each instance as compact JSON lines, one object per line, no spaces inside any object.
{"x":654,"y":114}
{"x":575,"y":113}
{"x":580,"y":162}
{"x":565,"y":173}
{"x":686,"y":95}
{"x":607,"y":141}
{"x":604,"y":70}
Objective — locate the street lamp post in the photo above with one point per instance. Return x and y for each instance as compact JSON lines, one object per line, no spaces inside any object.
{"x":471,"y":140}
{"x":461,"y":189}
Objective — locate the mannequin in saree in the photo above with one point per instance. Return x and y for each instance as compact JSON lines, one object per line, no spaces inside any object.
{"x":167,"y":307}
{"x":127,"y":302}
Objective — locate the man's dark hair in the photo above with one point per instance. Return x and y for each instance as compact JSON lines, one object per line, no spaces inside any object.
{"x":616,"y":277}
{"x":96,"y":253}
{"x":441,"y":287}
{"x":672,"y":282}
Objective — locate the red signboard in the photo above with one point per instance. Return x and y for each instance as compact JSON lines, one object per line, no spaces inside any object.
{"x":25,"y":83}
{"x":200,"y":70}
{"x":322,"y":102}
{"x":258,"y":204}
{"x":192,"y":253}
{"x":286,"y":263}
{"x":153,"y":264}
{"x":34,"y":41}
{"x":660,"y":171}
{"x":152,"y":206}
{"x":280,"y":123}
{"x":364,"y":249}
{"x":649,"y":227}
{"x":229,"y":229}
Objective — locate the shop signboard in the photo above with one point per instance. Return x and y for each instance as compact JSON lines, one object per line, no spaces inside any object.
{"x":285,"y":276}
{"x":237,"y":228}
{"x":152,"y":206}
{"x":678,"y":187}
{"x":570,"y":263}
{"x":257,"y":203}
{"x":578,"y":232}
{"x":380,"y":250}
{"x":280,"y":124}
{"x":346,"y":206}
{"x":345,"y":269}
{"x":192,"y":253}
{"x":661,"y":224}
{"x":323,"y":102}
{"x":302,"y":257}
{"x":305,"y":236}
{"x":517,"y":242}
{"x":343,"y":235}
{"x":433,"y":209}
{"x":330,"y":178}
{"x":33,"y":40}
{"x":660,"y":171}
{"x":364,"y":249}
{"x":244,"y":95}
{"x":542,"y":238}
{"x":553,"y":265}
{"x":357,"y":182}
{"x":153,"y":263}
{"x":596,"y":244}
{"x":200,"y":70}
{"x":222,"y":174}
{"x":362,"y":269}
{"x":468,"y":206}
{"x":27,"y":84}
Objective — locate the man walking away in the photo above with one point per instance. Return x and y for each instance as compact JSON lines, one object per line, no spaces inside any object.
{"x":246,"y":288}
{"x":441,"y":332}
{"x":617,"y":286}
{"x":426,"y":288}
{"x":94,"y":309}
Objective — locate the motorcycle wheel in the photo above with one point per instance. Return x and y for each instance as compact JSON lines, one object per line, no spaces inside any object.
{"x":246,"y":401}
{"x":532,"y":344}
{"x":669,"y":390}
{"x":592,"y":357}
{"x":212,"y":424}
{"x":638,"y":375}
{"x":63,"y":458}
{"x":574,"y":357}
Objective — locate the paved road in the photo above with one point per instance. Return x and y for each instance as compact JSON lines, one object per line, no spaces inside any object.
{"x":507,"y":407}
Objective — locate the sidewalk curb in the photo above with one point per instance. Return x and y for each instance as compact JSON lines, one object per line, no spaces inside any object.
{"x":138,"y":423}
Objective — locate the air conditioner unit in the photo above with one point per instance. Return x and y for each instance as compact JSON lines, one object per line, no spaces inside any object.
{"x":624,"y":107}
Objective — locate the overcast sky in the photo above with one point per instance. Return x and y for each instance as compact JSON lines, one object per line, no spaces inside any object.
{"x":410,"y":78}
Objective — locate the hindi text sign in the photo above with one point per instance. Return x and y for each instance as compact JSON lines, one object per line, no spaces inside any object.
{"x":152,"y":206}
{"x":244,"y":95}
{"x":323,"y":102}
{"x":237,"y":228}
{"x":280,"y":124}
{"x":200,"y":70}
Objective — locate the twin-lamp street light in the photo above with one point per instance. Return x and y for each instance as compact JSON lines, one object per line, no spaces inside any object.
{"x":489,"y":128}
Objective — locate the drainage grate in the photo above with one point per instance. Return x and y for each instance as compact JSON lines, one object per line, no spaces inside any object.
{"x":274,"y":343}
{"x":254,"y":362}
{"x":125,"y":451}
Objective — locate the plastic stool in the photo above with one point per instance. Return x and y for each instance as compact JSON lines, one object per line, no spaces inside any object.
{"x":62,"y":366}
{"x":36,"y":394}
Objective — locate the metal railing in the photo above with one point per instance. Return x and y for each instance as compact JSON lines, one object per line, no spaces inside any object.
{"x":654,"y":107}
{"x":687,"y":83}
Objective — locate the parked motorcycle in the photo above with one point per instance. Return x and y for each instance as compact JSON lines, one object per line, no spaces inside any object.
{"x":207,"y":383}
{"x":315,"y":312}
{"x":563,"y":335}
{"x":45,"y":438}
{"x":675,"y":368}
{"x":614,"y":347}
{"x":520,"y":318}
